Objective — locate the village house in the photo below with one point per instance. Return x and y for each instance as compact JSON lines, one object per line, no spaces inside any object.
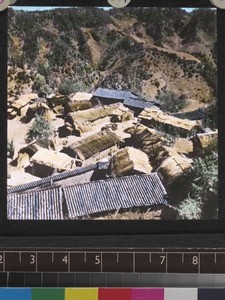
{"x":204,"y":141}
{"x":164,"y":122}
{"x":88,"y":199}
{"x":129,"y":161}
{"x":39,"y":108}
{"x":128,"y":99}
{"x":59,"y":178}
{"x":197,"y":114}
{"x":110,"y":96}
{"x":20,"y":106}
{"x":80,"y":96}
{"x":103,"y":143}
{"x":46,"y":162}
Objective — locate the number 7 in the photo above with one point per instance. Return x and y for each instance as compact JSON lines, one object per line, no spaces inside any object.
{"x":163,"y":257}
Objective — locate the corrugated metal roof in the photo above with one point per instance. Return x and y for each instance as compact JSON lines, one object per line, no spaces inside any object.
{"x":36,"y":205}
{"x":111,"y":194}
{"x":111,"y":94}
{"x":191,"y":115}
{"x":49,"y":179}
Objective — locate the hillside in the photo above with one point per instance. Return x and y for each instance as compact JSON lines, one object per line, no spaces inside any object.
{"x":123,"y":98}
{"x":147,"y":51}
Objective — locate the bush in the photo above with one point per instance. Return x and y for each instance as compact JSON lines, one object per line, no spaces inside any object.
{"x":70,"y":86}
{"x":202,"y":201}
{"x":40,"y":131}
{"x":40,"y":86}
{"x":171,"y":102}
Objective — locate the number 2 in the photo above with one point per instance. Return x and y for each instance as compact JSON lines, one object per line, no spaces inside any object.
{"x":1,"y":259}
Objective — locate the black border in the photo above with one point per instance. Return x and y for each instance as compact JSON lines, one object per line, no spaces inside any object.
{"x":111,"y":228}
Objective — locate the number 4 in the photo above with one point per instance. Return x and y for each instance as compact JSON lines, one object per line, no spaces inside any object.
{"x":65,"y":259}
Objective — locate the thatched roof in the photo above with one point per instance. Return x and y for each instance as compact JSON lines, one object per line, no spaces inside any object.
{"x":156,"y":115}
{"x":183,"y":146}
{"x":145,"y":135}
{"x":92,"y":145}
{"x":79,"y":96}
{"x":197,"y":114}
{"x":23,"y":101}
{"x":129,"y":161}
{"x":122,"y":114}
{"x":41,"y":109}
{"x":205,"y":140}
{"x":56,"y":160}
{"x":173,"y":168}
{"x":78,"y":105}
{"x":94,"y":114}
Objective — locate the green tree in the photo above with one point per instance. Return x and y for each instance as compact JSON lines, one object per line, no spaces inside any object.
{"x":202,"y":200}
{"x":40,"y":131}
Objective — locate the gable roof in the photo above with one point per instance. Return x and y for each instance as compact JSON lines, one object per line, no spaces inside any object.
{"x":157,"y":115}
{"x":53,"y":159}
{"x":79,"y":96}
{"x":88,"y":198}
{"x":92,"y":145}
{"x":128,"y":98}
{"x":35,"y":205}
{"x":54,"y":178}
{"x":111,"y":94}
{"x":111,"y":194}
{"x":137,"y":102}
{"x":129,"y":160}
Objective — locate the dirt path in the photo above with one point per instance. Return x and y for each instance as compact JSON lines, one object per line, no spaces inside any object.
{"x":95,"y":48}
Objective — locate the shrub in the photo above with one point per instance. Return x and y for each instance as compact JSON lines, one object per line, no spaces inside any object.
{"x":70,"y":86}
{"x":40,"y":131}
{"x":202,"y":201}
{"x":171,"y":102}
{"x":40,"y":86}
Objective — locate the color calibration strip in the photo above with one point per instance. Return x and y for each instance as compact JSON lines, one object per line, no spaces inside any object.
{"x":111,"y":294}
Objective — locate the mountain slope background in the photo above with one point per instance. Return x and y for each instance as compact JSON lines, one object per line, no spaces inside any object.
{"x":144,"y":50}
